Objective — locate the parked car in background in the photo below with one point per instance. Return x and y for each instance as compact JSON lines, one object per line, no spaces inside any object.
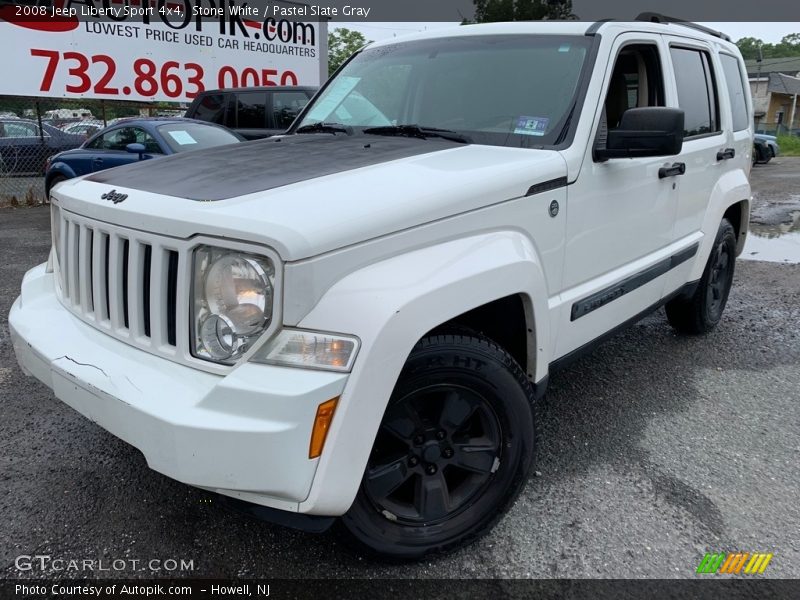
{"x":255,"y":112}
{"x":85,"y":128}
{"x":24,"y":147}
{"x":132,"y":140}
{"x":765,"y":148}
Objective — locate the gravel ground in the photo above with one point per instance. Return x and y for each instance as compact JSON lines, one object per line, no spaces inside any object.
{"x":655,"y":449}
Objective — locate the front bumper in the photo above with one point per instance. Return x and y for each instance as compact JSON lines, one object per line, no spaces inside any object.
{"x":245,"y":434}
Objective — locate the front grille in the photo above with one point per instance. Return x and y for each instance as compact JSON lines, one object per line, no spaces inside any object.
{"x":124,"y":282}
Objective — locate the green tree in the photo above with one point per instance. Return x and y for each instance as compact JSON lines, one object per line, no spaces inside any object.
{"x":342,"y":43}
{"x":490,"y":11}
{"x":788,"y":47}
{"x":749,"y":46}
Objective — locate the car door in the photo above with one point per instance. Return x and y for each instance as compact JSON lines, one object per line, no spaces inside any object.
{"x":620,"y":213}
{"x":284,"y":107}
{"x":709,"y":150}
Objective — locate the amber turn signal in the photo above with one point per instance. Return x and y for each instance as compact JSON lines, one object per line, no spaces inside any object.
{"x":322,"y":423}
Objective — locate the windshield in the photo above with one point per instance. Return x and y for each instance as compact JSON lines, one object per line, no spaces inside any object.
{"x":514,"y":90}
{"x":181,"y":137}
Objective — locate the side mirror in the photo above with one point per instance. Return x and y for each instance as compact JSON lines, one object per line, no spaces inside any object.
{"x":650,"y":131}
{"x":136,"y":149}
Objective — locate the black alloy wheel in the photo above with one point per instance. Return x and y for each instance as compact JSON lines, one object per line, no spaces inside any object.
{"x":453,"y":450}
{"x":437,"y":449}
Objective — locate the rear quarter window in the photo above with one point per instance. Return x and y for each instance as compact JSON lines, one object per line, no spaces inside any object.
{"x":736,"y":91}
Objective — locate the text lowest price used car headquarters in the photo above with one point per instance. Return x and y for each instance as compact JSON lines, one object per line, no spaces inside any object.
{"x":377,"y":361}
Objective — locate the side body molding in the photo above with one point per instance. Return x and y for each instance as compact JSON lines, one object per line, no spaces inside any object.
{"x":390,"y":305}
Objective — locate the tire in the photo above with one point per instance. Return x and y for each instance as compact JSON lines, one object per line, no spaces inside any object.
{"x":452,"y":453}
{"x":56,"y":179}
{"x":703,"y":310}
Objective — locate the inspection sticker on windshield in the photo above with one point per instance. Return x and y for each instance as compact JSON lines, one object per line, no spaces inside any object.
{"x":532,"y":125}
{"x":182,"y":137}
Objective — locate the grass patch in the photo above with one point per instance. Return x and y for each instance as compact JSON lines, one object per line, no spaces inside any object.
{"x":789,"y":144}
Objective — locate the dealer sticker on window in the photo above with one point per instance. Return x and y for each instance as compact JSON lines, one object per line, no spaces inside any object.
{"x":182,"y":137}
{"x":532,"y":125}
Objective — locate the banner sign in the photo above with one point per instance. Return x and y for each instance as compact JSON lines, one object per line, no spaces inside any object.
{"x":79,"y":50}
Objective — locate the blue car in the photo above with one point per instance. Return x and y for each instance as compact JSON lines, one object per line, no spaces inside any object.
{"x":132,"y":140}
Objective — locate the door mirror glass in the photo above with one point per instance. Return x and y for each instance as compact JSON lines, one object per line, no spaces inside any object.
{"x":649,"y":131}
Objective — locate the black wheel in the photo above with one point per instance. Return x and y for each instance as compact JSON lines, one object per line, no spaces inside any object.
{"x":702,"y":312}
{"x":51,"y":184}
{"x":452,"y":453}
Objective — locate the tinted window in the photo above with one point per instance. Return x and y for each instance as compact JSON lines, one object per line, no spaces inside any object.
{"x":696,"y":95}
{"x":118,"y":139}
{"x":181,"y":137}
{"x":251,"y":110}
{"x":286,"y":106}
{"x":210,"y":108}
{"x":736,"y":91}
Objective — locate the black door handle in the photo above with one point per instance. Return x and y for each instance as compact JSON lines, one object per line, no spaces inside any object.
{"x":675,"y":169}
{"x":726,"y":154}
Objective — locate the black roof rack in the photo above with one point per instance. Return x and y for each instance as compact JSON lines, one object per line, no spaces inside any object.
{"x":658,"y":18}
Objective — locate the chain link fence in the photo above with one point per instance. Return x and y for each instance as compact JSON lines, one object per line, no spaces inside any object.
{"x":34,"y":129}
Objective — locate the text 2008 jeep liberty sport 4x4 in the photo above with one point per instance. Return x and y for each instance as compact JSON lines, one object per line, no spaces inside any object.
{"x":354,"y":319}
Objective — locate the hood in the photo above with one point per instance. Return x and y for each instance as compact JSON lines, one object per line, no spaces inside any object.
{"x":309,"y":194}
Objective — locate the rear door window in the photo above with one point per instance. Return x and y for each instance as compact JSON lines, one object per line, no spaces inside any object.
{"x":697,"y":98}
{"x":250,"y":109}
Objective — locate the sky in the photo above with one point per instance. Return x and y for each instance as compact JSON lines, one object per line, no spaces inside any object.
{"x":768,"y":32}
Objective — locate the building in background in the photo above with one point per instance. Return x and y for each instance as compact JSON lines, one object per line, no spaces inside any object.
{"x":775,"y":86}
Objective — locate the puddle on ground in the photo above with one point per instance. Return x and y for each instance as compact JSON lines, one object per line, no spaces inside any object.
{"x":774,"y":243}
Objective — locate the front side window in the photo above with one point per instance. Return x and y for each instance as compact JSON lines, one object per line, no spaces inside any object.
{"x":508,"y":90}
{"x":118,"y":140}
{"x":696,"y":92}
{"x":636,"y":82}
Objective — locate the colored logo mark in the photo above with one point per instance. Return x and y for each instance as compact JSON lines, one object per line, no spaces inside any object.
{"x":735,"y":563}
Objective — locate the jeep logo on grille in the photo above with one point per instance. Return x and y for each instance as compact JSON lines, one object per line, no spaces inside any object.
{"x":114,"y":197}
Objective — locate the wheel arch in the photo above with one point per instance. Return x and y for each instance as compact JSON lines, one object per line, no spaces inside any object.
{"x":391,"y":305}
{"x":730,"y":198}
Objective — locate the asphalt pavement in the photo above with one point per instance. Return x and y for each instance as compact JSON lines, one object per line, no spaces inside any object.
{"x":653,"y":450}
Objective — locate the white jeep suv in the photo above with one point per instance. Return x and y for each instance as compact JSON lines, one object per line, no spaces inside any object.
{"x":354,"y":319}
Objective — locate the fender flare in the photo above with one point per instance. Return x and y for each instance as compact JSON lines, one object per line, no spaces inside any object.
{"x":390,"y":305}
{"x":732,"y":188}
{"x":58,"y":168}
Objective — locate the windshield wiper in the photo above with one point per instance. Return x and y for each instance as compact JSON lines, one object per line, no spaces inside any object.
{"x":325,"y":128}
{"x":416,"y":131}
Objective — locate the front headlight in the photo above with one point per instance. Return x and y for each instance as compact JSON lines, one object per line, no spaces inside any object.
{"x":233,"y":302}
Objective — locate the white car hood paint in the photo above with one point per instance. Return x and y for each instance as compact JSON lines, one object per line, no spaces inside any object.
{"x":326,"y":213}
